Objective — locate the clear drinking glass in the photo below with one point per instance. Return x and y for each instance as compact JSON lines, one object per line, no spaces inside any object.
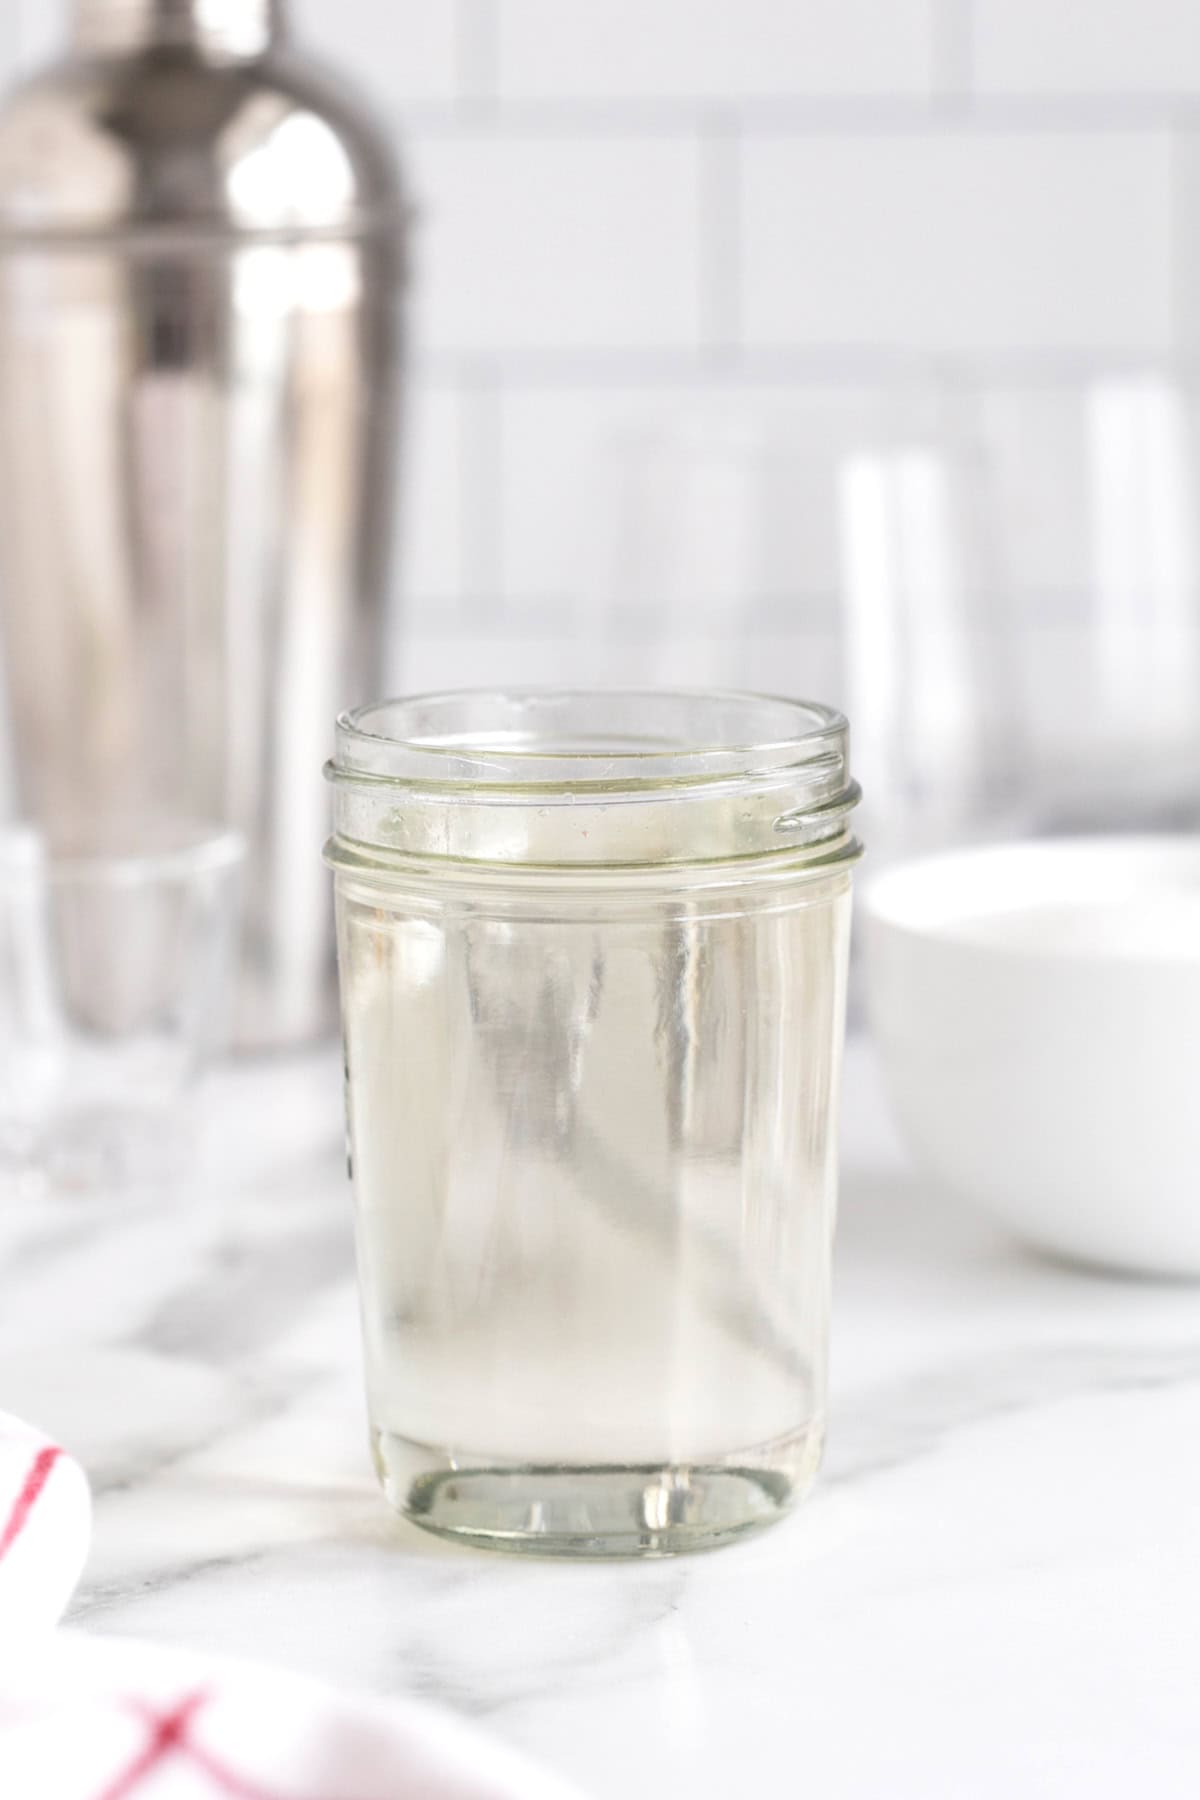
{"x":592,"y":952}
{"x":837,"y":530}
{"x":116,"y":955}
{"x":1091,"y":488}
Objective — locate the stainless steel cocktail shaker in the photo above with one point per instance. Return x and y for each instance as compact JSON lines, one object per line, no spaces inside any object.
{"x":201,"y":247}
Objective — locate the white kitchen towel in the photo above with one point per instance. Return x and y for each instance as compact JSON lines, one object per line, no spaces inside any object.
{"x":94,"y":1718}
{"x":45,"y":1522}
{"x":84,"y":1717}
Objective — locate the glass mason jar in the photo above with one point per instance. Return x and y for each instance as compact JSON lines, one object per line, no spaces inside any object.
{"x":593,"y":954}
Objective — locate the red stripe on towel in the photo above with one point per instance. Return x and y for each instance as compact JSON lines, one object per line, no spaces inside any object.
{"x":170,"y":1735}
{"x":26,"y":1500}
{"x":167,"y":1733}
{"x":227,"y":1780}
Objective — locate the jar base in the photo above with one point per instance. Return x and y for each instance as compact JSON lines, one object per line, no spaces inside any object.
{"x":600,"y":1511}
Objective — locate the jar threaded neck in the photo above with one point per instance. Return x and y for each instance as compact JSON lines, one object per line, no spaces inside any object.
{"x":594,"y":780}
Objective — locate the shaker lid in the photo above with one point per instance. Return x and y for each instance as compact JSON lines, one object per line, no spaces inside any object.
{"x":171,"y":138}
{"x":219,"y":28}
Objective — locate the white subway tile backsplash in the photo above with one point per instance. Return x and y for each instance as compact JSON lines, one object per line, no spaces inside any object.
{"x":434,"y":523}
{"x":712,"y":49}
{"x":797,"y":663}
{"x":495,"y":657}
{"x":638,"y":193}
{"x":398,"y":51}
{"x":678,"y":510}
{"x":1086,"y":46}
{"x":558,"y":490}
{"x":39,"y":30}
{"x":1029,"y":457}
{"x":11,"y":61}
{"x":537,"y":242}
{"x":809,"y":664}
{"x":958,"y":240}
{"x":1185,"y":248}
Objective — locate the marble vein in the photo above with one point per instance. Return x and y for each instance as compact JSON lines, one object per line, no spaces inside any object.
{"x":995,"y":1589}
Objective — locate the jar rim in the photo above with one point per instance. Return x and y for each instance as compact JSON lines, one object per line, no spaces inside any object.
{"x":558,"y":743}
{"x":589,"y":780}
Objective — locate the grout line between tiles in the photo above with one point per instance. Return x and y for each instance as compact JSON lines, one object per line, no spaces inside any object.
{"x":818,"y":365}
{"x":480,"y":108}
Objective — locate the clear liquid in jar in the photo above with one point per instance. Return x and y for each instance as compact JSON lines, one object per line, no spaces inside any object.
{"x":593,"y":1165}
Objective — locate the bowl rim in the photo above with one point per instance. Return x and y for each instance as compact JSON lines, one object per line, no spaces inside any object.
{"x":931,"y":897}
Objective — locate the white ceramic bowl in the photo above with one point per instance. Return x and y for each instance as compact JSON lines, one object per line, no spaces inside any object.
{"x":1037,"y":1010}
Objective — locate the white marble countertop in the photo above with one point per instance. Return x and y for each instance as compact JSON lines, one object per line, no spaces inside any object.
{"x":994,"y":1591}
